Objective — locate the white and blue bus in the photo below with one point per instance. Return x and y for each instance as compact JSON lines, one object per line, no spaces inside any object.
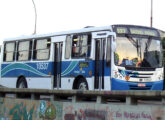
{"x":117,"y":57}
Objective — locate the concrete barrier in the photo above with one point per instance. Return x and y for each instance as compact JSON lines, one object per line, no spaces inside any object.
{"x":35,"y":104}
{"x":23,"y":109}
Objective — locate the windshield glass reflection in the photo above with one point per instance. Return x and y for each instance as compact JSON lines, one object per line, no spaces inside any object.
{"x":138,"y":52}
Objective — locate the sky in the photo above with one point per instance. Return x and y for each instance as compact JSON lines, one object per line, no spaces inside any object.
{"x":17,"y":16}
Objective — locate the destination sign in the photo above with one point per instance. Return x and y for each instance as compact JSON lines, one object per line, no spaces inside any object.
{"x":122,"y":30}
{"x":141,"y":31}
{"x":136,"y":31}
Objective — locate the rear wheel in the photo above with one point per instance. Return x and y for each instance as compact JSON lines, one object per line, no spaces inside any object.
{"x":82,"y":84}
{"x":22,"y":83}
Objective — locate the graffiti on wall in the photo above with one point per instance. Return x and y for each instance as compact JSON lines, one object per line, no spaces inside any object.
{"x":30,"y":110}
{"x":20,"y":112}
{"x":111,"y":113}
{"x":50,"y":110}
{"x":86,"y":115}
{"x":19,"y":109}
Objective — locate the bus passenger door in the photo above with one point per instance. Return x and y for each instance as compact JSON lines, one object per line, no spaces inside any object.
{"x":99,"y":63}
{"x":102,"y":71}
{"x":57,"y":64}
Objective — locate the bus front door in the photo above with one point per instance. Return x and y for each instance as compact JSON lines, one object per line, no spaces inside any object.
{"x":57,"y":64}
{"x":100,"y":45}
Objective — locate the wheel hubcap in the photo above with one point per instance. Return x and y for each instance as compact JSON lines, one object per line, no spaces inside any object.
{"x":21,"y":85}
{"x":83,"y":86}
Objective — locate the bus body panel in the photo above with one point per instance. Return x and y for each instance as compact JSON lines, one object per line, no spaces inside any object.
{"x":34,"y":82}
{"x":9,"y":82}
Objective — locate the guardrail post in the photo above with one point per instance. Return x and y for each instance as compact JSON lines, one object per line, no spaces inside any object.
{"x":74,"y":99}
{"x":163,"y":101}
{"x":54,"y":97}
{"x":32,"y":97}
{"x":35,"y":97}
{"x":130,"y":101}
{"x":100,"y":100}
{"x":2,"y":94}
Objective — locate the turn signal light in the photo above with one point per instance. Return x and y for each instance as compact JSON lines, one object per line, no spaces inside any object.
{"x":90,"y":73}
{"x":127,"y":77}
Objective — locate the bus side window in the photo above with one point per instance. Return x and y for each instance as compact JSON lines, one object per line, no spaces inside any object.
{"x":84,"y":45}
{"x":24,"y":50}
{"x":9,"y":51}
{"x":41,"y":50}
{"x":68,"y":47}
{"x":81,"y":45}
{"x":75,"y":46}
{"x":108,"y":59}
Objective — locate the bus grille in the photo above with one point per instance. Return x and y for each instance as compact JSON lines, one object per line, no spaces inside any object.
{"x":140,"y":69}
{"x":140,"y":75}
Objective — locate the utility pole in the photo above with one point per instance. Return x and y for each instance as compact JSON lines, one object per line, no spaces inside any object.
{"x":151,"y":13}
{"x":35,"y":24}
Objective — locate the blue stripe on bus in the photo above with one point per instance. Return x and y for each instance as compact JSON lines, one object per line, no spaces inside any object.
{"x":45,"y":69}
{"x":70,"y":67}
{"x":20,"y":66}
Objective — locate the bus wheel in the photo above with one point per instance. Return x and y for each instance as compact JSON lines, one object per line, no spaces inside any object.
{"x":82,"y":84}
{"x":22,"y":83}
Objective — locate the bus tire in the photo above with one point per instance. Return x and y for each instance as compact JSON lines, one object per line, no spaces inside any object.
{"x":22,"y":83}
{"x":82,"y":84}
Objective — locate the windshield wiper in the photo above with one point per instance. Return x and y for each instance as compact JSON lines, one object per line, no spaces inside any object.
{"x":136,"y":44}
{"x":147,"y":45}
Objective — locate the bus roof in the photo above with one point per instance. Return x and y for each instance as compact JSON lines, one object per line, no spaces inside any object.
{"x":84,"y":30}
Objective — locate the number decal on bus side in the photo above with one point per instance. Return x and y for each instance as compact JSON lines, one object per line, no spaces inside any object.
{"x":42,"y":66}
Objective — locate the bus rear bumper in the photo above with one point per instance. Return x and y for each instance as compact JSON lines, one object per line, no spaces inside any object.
{"x":124,"y":85}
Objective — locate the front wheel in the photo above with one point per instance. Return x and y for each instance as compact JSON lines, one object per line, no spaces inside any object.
{"x":82,"y":84}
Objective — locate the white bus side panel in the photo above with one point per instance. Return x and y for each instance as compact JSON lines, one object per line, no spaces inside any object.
{"x":107,"y":83}
{"x":67,"y":83}
{"x":9,"y":82}
{"x":90,"y":82}
{"x":41,"y":83}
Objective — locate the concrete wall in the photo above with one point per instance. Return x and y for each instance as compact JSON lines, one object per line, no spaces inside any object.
{"x":19,"y":109}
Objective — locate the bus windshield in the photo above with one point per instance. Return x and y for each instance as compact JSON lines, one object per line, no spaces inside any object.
{"x":138,"y":51}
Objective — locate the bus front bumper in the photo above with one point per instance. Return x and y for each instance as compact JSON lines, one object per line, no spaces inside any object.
{"x":125,"y":85}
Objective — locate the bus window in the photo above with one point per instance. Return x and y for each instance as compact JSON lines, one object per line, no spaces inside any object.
{"x":9,"y":51}
{"x":24,"y":50}
{"x":41,"y":49}
{"x":84,"y":45}
{"x":75,"y":46}
{"x":68,"y":47}
{"x":81,"y":45}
